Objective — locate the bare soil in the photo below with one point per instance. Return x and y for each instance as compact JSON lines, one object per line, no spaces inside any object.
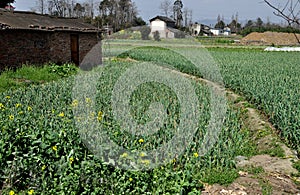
{"x":269,"y":38}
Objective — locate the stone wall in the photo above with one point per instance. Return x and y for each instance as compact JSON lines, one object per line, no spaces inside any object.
{"x":60,"y":49}
{"x":86,"y":43}
{"x":23,"y":47}
{"x":37,"y":47}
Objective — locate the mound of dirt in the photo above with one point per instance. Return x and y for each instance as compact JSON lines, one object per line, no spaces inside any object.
{"x":269,"y":38}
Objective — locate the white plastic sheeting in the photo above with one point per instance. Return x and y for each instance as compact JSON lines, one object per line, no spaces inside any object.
{"x":282,"y":49}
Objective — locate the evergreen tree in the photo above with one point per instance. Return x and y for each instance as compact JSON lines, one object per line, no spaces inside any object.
{"x":4,"y":3}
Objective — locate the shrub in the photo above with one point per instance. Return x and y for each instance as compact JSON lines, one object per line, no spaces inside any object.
{"x":156,"y":36}
{"x":145,"y":31}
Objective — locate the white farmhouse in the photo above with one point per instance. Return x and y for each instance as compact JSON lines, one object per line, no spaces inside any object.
{"x":165,"y":26}
{"x":217,"y":31}
{"x":227,"y":31}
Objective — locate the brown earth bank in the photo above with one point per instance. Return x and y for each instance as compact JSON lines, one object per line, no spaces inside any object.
{"x":271,"y":38}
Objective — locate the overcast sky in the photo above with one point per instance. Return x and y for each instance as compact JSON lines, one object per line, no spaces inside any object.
{"x":202,"y":9}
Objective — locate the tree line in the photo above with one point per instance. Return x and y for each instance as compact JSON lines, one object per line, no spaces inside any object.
{"x":117,"y":14}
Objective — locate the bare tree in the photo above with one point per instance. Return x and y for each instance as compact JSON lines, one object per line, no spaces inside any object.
{"x":166,"y":7}
{"x":41,"y":6}
{"x":185,"y":16}
{"x":290,"y":12}
{"x":78,"y":10}
{"x":190,"y":17}
{"x":177,"y":13}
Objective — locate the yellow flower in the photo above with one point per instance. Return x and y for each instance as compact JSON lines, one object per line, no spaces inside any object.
{"x":7,"y":97}
{"x":11,"y":192}
{"x":196,"y":154}
{"x":141,"y":140}
{"x":62,"y":114}
{"x":11,"y":117}
{"x":143,"y":154}
{"x":146,"y":162}
{"x":30,"y":192}
{"x":54,"y":148}
{"x":29,"y":108}
{"x":88,"y":100}
{"x":124,"y":155}
{"x":18,"y":105}
{"x":71,"y":160}
{"x":130,"y":179}
{"x":2,"y":107}
{"x":99,"y":116}
{"x":174,"y":160}
{"x":75,"y":103}
{"x":21,"y":112}
{"x":44,"y":167}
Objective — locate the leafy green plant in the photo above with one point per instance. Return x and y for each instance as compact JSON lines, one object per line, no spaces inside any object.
{"x":156,"y":36}
{"x":30,"y":74}
{"x":64,"y":70}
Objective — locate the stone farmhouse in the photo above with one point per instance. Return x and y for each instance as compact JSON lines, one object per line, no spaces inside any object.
{"x":201,"y":29}
{"x":31,"y":38}
{"x":166,"y":27}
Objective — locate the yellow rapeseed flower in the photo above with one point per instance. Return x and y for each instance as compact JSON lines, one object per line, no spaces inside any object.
{"x":21,"y":112}
{"x":11,"y":192}
{"x":99,"y":116}
{"x":62,"y":114}
{"x":71,"y":160}
{"x":11,"y":117}
{"x":143,"y":154}
{"x":30,"y":192}
{"x":29,"y":108}
{"x":44,"y":167}
{"x":2,"y":107}
{"x":141,"y":140}
{"x":18,"y":105}
{"x":196,"y":154}
{"x":7,"y":97}
{"x":75,"y":103}
{"x":130,"y":179}
{"x":54,"y":148}
{"x":146,"y":162}
{"x":174,"y":160}
{"x":124,"y":155}
{"x":88,"y":100}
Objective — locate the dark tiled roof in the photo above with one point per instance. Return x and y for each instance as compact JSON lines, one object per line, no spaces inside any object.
{"x":30,"y":20}
{"x":163,"y":18}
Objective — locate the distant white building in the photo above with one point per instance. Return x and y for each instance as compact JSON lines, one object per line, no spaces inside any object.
{"x":227,"y":31}
{"x":218,"y":32}
{"x":195,"y":29}
{"x":200,"y":29}
{"x":165,"y":26}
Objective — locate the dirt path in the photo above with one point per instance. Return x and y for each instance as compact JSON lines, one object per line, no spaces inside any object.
{"x":261,"y":174}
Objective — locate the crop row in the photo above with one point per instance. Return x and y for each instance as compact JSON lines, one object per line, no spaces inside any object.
{"x":268,"y":80}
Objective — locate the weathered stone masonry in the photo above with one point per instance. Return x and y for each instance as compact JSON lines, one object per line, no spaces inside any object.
{"x":26,"y":46}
